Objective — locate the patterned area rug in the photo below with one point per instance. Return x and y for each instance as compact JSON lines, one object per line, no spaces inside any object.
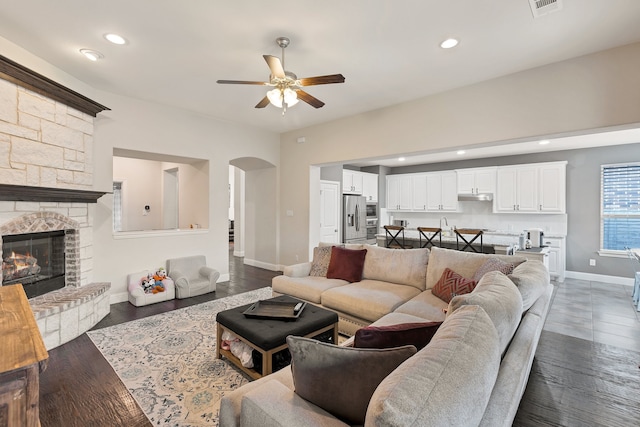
{"x":168,"y":363}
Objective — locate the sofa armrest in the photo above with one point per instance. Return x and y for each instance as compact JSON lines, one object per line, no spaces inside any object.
{"x":274,"y":405}
{"x":298,"y":270}
{"x":210,"y":273}
{"x":179,"y":280}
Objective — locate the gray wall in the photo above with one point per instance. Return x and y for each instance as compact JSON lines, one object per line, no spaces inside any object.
{"x":583,"y":198}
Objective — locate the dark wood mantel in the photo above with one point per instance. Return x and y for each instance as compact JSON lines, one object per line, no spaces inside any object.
{"x":23,"y":76}
{"x":23,"y":193}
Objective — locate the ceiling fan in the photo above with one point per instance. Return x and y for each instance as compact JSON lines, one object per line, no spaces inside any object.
{"x":287,"y":87}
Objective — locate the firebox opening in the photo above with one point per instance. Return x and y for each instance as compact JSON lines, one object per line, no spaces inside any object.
{"x":37,"y":260}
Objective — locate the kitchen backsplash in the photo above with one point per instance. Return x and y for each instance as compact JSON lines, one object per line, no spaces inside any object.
{"x":480,"y":215}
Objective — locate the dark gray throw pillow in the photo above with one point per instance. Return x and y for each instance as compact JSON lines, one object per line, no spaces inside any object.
{"x":341,"y":380}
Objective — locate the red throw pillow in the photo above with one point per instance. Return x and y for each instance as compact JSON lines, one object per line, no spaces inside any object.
{"x":452,"y":284}
{"x":415,"y":334}
{"x":346,"y":264}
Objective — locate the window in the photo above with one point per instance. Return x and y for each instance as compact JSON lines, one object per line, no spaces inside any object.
{"x":620,"y":215}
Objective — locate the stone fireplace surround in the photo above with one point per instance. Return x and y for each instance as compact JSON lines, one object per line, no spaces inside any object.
{"x":46,"y":183}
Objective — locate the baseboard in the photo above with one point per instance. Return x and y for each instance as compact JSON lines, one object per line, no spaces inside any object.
{"x":260,"y":264}
{"x":119,"y":297}
{"x":617,"y":280}
{"x":238,"y":253}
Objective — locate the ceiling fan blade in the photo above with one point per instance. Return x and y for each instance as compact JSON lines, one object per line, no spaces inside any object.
{"x":241,"y":82}
{"x":275,"y":66}
{"x":263,"y":102}
{"x":311,"y":100}
{"x":322,"y":80}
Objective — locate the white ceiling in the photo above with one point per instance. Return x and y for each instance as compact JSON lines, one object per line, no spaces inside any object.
{"x":387,"y":50}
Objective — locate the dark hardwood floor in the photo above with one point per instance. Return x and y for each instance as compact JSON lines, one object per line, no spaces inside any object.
{"x":79,"y":387}
{"x":573,"y":382}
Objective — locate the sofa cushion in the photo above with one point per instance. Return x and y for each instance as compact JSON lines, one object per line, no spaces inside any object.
{"x":425,"y":305}
{"x":532,"y":279}
{"x":452,"y":284}
{"x":463,"y":263}
{"x":500,"y":299}
{"x":493,"y":264}
{"x":320,"y":262}
{"x":447,"y":383}
{"x":308,"y":288}
{"x":348,"y":376}
{"x":275,"y":405}
{"x":415,"y":334}
{"x":346,"y":264}
{"x":368,"y":299}
{"x":405,"y":267}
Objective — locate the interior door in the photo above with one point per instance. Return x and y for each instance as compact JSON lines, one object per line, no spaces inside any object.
{"x":329,"y":211}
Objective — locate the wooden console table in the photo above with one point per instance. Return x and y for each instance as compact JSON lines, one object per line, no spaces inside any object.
{"x":22,"y":357}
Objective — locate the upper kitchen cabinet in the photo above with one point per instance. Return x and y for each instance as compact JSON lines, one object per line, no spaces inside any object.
{"x":399,"y":192}
{"x":442,"y":191}
{"x":517,"y":189}
{"x":352,"y":182}
{"x":552,"y":187}
{"x":370,"y":186}
{"x":476,"y":181}
{"x":419,"y":192}
{"x":531,"y":188}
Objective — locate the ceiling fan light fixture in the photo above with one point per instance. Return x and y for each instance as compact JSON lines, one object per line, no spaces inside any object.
{"x":276,"y":95}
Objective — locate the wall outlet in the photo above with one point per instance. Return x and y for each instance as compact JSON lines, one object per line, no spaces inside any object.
{"x":592,"y":262}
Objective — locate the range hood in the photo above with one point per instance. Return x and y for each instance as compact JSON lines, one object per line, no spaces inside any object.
{"x":479,"y":197}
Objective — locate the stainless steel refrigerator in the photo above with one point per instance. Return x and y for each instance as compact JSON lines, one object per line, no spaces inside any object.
{"x":354,"y":223}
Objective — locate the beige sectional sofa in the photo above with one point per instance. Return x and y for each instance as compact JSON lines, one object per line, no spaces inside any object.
{"x":474,"y":370}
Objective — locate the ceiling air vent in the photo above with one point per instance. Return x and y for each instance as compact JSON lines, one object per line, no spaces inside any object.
{"x":543,"y":7}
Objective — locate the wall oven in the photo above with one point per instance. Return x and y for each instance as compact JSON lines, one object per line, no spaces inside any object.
{"x":372,"y":210}
{"x":372,"y":222}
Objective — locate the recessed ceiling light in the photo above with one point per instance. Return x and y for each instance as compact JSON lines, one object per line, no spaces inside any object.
{"x":401,"y":159}
{"x":460,"y":152}
{"x":449,"y":43}
{"x":115,"y":38}
{"x":93,"y":55}
{"x":544,"y":142}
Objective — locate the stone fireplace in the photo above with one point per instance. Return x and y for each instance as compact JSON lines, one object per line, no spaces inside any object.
{"x":46,"y":186}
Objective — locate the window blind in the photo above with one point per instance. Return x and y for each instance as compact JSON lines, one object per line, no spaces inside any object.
{"x":620,"y":206}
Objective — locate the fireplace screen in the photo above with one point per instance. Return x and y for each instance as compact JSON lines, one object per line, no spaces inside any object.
{"x":36,"y":260}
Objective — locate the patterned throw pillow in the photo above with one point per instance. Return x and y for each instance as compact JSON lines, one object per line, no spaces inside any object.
{"x":320,"y":263}
{"x":493,"y":264}
{"x":452,"y":284}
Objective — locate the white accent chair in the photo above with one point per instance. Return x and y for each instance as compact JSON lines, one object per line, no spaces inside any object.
{"x":192,"y":276}
{"x":138,"y":297}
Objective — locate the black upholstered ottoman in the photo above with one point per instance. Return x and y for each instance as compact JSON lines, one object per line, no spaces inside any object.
{"x":268,"y":336}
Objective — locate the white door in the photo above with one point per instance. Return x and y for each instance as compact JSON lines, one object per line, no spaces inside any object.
{"x":329,"y":211}
{"x":170,"y":199}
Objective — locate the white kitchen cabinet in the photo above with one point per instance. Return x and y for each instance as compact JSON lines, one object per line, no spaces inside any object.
{"x":442,"y":191}
{"x":552,"y":187}
{"x":517,"y":189}
{"x":557,"y":257}
{"x":419,"y":192}
{"x":399,"y":192}
{"x":351,"y":182}
{"x":370,"y":186}
{"x":476,"y":180}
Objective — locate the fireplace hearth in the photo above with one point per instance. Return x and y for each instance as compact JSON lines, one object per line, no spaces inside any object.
{"x":36,"y":260}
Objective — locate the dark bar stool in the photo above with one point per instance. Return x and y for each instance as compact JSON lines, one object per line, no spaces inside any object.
{"x":391,"y":237}
{"x":437,"y":232}
{"x":460,"y":233}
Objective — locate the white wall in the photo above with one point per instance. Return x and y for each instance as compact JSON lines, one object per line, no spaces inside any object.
{"x":574,"y":96}
{"x":141,"y":186}
{"x":137,"y":125}
{"x":193,"y":188}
